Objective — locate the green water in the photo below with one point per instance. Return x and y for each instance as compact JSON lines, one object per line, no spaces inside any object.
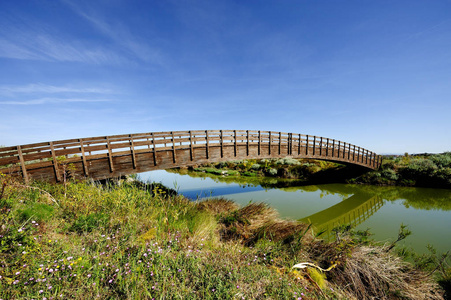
{"x":426,"y":211}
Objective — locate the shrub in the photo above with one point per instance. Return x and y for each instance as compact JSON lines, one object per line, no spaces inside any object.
{"x":272,"y":172}
{"x":390,"y":174}
{"x":255,"y":167}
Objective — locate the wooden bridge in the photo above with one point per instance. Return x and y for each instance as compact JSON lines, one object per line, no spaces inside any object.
{"x":113,"y":156}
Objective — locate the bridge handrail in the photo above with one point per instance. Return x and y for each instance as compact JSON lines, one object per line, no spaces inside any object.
{"x":43,"y":154}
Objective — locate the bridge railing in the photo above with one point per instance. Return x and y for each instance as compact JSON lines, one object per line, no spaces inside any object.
{"x":38,"y":155}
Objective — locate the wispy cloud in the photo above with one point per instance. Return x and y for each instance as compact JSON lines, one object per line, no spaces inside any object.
{"x":41,"y":101}
{"x":50,"y":89}
{"x":29,"y":40}
{"x":119,"y":35}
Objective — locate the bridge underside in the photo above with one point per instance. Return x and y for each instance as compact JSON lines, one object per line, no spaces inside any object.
{"x":125,"y":157}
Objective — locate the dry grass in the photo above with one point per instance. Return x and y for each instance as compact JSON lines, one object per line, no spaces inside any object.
{"x":373,"y":273}
{"x":361,"y":272}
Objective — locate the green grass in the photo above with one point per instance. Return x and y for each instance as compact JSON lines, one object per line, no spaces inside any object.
{"x":89,"y":241}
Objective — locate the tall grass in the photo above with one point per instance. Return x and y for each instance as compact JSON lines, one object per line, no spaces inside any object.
{"x":91,"y":241}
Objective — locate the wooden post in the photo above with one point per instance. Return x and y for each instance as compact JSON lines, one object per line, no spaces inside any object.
{"x":110,"y":154}
{"x":173,"y":147}
{"x":22,"y":164}
{"x":154,"y":149}
{"x":306,"y":146}
{"x":247,"y":145}
{"x":338,"y":153}
{"x":191,"y":145}
{"x":299,"y":145}
{"x":55,"y":163}
{"x":259,"y":142}
{"x":222,"y":144}
{"x":327,"y":147}
{"x":206,"y":138}
{"x":344,"y":149}
{"x":321,"y":146}
{"x":280,"y":140}
{"x":269,"y":152}
{"x":349,"y":150}
{"x":314,"y":144}
{"x":234,"y":134}
{"x":132,"y":148}
{"x":85,"y":164}
{"x":333,"y":148}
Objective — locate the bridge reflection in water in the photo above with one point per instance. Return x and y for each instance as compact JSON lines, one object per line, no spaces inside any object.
{"x":352,"y":211}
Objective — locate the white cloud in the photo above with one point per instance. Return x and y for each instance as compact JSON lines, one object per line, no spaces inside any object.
{"x":41,"y":101}
{"x":50,"y":89}
{"x":28,"y":41}
{"x":120,"y":36}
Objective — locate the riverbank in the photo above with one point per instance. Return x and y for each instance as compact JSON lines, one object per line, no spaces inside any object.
{"x":85,"y":240}
{"x":426,"y":170}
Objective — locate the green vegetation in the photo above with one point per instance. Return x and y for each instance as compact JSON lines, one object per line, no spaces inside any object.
{"x":288,"y":168}
{"x":428,"y":170}
{"x":83,"y":240}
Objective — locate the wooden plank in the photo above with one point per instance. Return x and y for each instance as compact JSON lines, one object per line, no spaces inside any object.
{"x":9,"y":160}
{"x":55,"y":163}
{"x":110,"y":154}
{"x":22,"y":164}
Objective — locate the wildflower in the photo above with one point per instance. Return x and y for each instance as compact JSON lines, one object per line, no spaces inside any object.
{"x":17,"y":273}
{"x":41,"y":291}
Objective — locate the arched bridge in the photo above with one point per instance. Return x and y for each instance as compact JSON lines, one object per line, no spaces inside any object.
{"x":112,"y":156}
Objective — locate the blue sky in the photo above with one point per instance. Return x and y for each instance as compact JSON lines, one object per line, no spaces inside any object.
{"x":372,"y":73}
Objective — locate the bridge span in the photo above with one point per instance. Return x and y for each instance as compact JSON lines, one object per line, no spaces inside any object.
{"x":113,"y":156}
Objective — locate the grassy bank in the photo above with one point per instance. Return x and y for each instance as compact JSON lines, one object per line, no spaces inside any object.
{"x":90,"y":241}
{"x":427,"y":170}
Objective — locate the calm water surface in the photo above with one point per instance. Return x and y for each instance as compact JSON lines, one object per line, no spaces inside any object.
{"x":426,"y":212}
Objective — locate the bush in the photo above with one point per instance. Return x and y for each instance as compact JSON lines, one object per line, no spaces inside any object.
{"x":255,"y":167}
{"x":390,"y":174}
{"x":287,"y":161}
{"x":272,"y":172}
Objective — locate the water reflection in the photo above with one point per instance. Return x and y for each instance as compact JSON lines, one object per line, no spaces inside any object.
{"x":427,"y":212}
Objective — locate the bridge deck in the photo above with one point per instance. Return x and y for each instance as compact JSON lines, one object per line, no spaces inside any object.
{"x":111,"y":156}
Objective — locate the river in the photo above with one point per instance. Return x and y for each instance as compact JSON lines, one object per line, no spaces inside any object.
{"x":425,"y":211}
